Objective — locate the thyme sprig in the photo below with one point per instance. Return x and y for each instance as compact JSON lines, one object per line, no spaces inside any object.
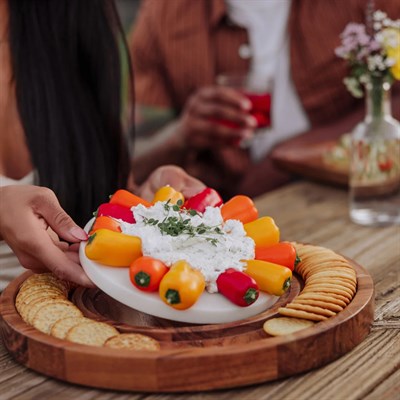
{"x":175,"y":226}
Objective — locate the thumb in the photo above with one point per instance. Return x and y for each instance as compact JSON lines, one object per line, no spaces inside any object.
{"x":52,"y":212}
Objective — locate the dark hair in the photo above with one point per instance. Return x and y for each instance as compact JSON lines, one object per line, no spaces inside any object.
{"x":66,"y":66}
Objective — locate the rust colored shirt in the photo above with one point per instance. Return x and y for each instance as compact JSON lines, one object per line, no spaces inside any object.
{"x":181,"y":45}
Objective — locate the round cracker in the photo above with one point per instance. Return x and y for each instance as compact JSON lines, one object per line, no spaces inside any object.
{"x":132,"y":341}
{"x":28,"y":297}
{"x":337,"y":281}
{"x":313,"y":270}
{"x":315,"y":265}
{"x":46,"y":278}
{"x":92,"y":333}
{"x":330,"y":291}
{"x":318,"y":303}
{"x":336,"y":273}
{"x":61,"y":327}
{"x":313,"y":309}
{"x":335,"y":288}
{"x":49,"y":313}
{"x":322,"y":297}
{"x":32,"y":308}
{"x":285,"y":326}
{"x":290,"y":312}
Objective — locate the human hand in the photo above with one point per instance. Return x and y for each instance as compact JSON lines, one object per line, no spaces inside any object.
{"x":173,"y":176}
{"x":26,"y":215}
{"x":216,"y":115}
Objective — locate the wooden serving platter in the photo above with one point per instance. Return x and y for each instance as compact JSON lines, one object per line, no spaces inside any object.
{"x":192,"y":357}
{"x":306,"y":159}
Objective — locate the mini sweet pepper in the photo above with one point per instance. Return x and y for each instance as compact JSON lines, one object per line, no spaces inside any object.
{"x":263,"y":231}
{"x":241,"y":208}
{"x":271,"y":278}
{"x":283,"y":253}
{"x":103,"y":222}
{"x":181,"y":286}
{"x":168,"y":193}
{"x":127,"y":199}
{"x":206,"y":198}
{"x":240,"y":288}
{"x":113,"y":248}
{"x":116,"y":211}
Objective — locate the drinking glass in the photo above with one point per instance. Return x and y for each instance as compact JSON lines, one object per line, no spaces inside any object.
{"x":258,"y":91}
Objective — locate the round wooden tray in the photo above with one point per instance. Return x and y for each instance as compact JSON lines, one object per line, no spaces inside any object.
{"x":192,"y":357}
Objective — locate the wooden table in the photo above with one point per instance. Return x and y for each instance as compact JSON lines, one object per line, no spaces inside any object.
{"x":305,"y":212}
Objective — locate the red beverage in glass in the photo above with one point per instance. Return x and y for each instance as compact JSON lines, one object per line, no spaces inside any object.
{"x":256,"y":91}
{"x":261,"y":108}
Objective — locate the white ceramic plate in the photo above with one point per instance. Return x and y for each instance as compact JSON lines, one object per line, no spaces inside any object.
{"x":209,"y":309}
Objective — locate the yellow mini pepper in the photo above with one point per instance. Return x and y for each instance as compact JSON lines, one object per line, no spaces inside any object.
{"x":113,"y":248}
{"x":166,"y":193}
{"x":263,"y":231}
{"x":181,"y":286}
{"x":271,"y":278}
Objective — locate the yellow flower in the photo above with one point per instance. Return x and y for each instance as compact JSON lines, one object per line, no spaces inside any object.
{"x":391,"y":44}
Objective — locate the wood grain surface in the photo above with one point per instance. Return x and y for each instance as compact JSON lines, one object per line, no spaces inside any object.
{"x":310,"y":213}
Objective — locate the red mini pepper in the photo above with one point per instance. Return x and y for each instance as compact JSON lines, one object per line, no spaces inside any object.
{"x":283,"y":253}
{"x":116,"y":211}
{"x":206,"y":198}
{"x":238,"y":287}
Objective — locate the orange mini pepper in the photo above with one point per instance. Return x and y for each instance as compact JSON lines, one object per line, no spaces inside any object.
{"x":104,"y":222}
{"x":271,"y":278}
{"x":263,"y":231}
{"x":283,"y":253}
{"x":168,"y":193}
{"x":127,"y":199}
{"x":113,"y":248}
{"x":146,"y":273}
{"x":241,"y":208}
{"x":181,"y":286}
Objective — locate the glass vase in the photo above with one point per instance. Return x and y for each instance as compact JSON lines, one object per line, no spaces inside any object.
{"x":375,"y":161}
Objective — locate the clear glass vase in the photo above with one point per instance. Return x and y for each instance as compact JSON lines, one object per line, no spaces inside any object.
{"x":375,"y":161}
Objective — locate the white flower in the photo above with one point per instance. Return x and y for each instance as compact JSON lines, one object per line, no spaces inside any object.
{"x":375,"y":63}
{"x":364,"y":78}
{"x":379,"y":15}
{"x":353,"y":87}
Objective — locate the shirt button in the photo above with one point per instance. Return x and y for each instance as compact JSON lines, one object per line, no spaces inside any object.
{"x":244,"y":51}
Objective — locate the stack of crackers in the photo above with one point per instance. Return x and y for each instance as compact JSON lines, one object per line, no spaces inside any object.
{"x":329,"y":285}
{"x":42,"y":301}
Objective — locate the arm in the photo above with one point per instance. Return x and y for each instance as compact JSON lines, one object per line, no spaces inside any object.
{"x":157,"y":106}
{"x":26,"y":213}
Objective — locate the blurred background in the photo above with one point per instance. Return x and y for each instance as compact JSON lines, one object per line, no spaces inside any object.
{"x":127,"y":10}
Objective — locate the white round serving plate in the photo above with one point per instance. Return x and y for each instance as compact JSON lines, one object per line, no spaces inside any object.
{"x":209,"y":309}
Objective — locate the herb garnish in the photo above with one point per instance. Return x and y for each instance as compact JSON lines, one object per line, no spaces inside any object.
{"x":175,"y":226}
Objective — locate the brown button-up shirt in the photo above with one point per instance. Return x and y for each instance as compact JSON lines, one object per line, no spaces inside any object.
{"x":181,"y":45}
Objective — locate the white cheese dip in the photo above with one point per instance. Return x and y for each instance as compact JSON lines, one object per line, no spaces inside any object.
{"x":223,"y":245}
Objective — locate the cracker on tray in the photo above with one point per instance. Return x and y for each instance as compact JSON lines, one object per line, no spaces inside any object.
{"x":132,"y":341}
{"x":61,"y":327}
{"x":49,"y":313}
{"x":285,"y":326}
{"x":92,"y":333}
{"x":330,"y":284}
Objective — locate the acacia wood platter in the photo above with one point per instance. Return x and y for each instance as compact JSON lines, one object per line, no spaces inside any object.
{"x":192,"y":357}
{"x":305,"y":158}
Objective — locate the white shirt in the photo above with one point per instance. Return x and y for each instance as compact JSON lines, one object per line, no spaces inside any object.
{"x":266,"y":23}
